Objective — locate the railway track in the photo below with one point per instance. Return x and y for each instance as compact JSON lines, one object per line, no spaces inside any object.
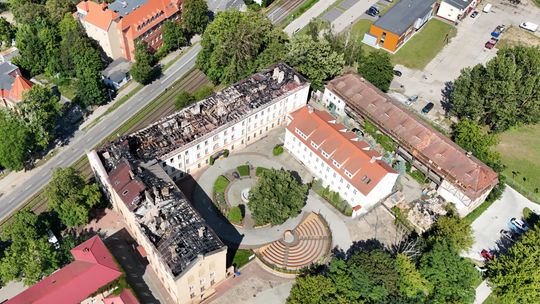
{"x":279,"y":12}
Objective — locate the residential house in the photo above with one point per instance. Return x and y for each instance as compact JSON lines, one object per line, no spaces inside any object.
{"x":93,"y":268}
{"x":339,"y":159}
{"x":12,"y":85}
{"x":461,"y":178}
{"x":454,"y":10}
{"x":116,"y":74}
{"x":399,"y":24}
{"x":119,"y":25}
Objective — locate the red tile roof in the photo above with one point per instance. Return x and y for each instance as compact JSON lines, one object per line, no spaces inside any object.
{"x":20,"y":85}
{"x":342,"y":146}
{"x":127,"y":187}
{"x":163,"y":9}
{"x":126,"y":297}
{"x":93,"y":268}
{"x":97,"y":14}
{"x":428,"y":145}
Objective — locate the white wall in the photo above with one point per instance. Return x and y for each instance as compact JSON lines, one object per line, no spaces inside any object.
{"x":194,"y":156}
{"x":463,"y":203}
{"x":448,"y":12}
{"x":336,"y":182}
{"x":330,"y":97}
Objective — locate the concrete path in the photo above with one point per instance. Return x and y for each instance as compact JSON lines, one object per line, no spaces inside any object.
{"x":487,"y":227}
{"x":482,"y":292}
{"x":312,"y":13}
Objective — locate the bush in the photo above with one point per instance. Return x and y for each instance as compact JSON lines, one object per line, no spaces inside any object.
{"x":203,"y":92}
{"x":221,"y":184}
{"x":530,"y":217}
{"x":418,"y":176}
{"x":226,"y":153}
{"x":260,"y":170}
{"x":277,"y":150}
{"x":183,"y":100}
{"x":235,"y":215}
{"x":332,"y":197}
{"x":243,"y":170}
{"x":211,"y":160}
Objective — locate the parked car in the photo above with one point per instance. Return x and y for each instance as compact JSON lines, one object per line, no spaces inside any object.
{"x":498,"y":31}
{"x":508,"y":235}
{"x":411,"y":100}
{"x":487,"y":8}
{"x":486,"y":254}
{"x":474,"y":14}
{"x":398,"y":73}
{"x":491,"y":43}
{"x":373,"y":11}
{"x":427,"y":108}
{"x":529,"y":26}
{"x":519,"y":224}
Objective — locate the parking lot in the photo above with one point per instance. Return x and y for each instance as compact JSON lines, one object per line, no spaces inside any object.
{"x":465,"y":50}
{"x":487,"y":227}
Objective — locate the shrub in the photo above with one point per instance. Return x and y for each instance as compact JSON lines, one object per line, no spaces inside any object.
{"x":235,"y":215}
{"x":226,"y":153}
{"x":183,"y":100}
{"x":243,"y":170}
{"x":277,"y":150}
{"x":211,"y":160}
{"x":332,"y":197}
{"x":221,"y":184}
{"x":203,"y":92}
{"x":530,"y":217}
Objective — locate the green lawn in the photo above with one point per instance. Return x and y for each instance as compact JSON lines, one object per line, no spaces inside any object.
{"x":221,"y":184}
{"x":360,"y":28}
{"x":241,"y":257}
{"x":243,"y":170}
{"x":425,"y":45}
{"x":235,"y":215}
{"x":520,"y":152}
{"x":492,"y":299}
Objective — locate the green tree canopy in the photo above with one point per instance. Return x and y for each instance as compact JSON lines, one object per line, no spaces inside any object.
{"x":378,"y":69}
{"x":502,"y":94}
{"x":29,"y":256}
{"x":453,"y":229}
{"x":276,"y":197}
{"x":411,"y":283}
{"x":236,"y":44}
{"x":40,"y":109}
{"x":195,"y":16}
{"x":16,"y":143}
{"x":183,"y":100}
{"x":173,"y":36}
{"x":143,"y":70}
{"x":315,"y":289}
{"x":470,"y":136}
{"x":514,"y":277}
{"x":7,"y":31}
{"x":315,"y":59}
{"x":452,"y":277}
{"x":57,"y":9}
{"x":71,"y":197}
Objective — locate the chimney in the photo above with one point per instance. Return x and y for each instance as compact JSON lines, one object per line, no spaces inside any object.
{"x":373,"y":159}
{"x":310,"y":109}
{"x":201,"y":232}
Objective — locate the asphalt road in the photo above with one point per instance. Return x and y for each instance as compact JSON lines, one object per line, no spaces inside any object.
{"x":85,"y":141}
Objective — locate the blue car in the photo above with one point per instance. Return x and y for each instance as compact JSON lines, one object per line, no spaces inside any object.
{"x":517,"y":226}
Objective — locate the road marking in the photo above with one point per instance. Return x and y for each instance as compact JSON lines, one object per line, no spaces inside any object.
{"x":172,"y":74}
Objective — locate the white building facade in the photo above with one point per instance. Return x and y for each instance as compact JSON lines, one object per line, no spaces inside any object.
{"x":454,"y":10}
{"x":336,"y":157}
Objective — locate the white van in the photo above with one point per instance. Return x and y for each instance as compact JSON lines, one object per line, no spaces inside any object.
{"x":529,"y":26}
{"x":487,"y":8}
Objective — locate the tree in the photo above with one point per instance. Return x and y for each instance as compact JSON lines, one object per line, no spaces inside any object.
{"x":40,"y":109}
{"x":71,"y":197}
{"x":501,"y":94}
{"x":470,"y":136}
{"x":377,"y":68}
{"x":31,"y":56}
{"x":380,"y":268}
{"x":514,"y":276}
{"x":29,"y":256}
{"x":236,"y":44}
{"x":452,"y":277}
{"x":16,"y":143}
{"x":315,"y":59}
{"x":57,"y":9}
{"x":411,"y":283}
{"x":276,"y":197}
{"x":195,"y":16}
{"x":7,"y":32}
{"x":173,"y":36}
{"x":203,"y":92}
{"x":454,"y":230}
{"x":183,"y":100}
{"x":143,"y":70}
{"x":303,"y":289}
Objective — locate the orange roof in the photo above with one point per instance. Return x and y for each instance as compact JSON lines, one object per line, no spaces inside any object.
{"x":20,"y":85}
{"x":97,"y":15}
{"x":343,"y":146}
{"x":134,"y":22}
{"x":432,"y":148}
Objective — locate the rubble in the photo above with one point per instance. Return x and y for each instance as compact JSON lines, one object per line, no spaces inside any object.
{"x":424,"y":213}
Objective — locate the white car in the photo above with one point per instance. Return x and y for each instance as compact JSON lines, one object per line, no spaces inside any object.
{"x":519,"y":224}
{"x":529,"y":26}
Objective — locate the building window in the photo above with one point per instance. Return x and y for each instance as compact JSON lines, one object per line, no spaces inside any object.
{"x":336,"y":163}
{"x":314,"y":145}
{"x":325,"y":154}
{"x":348,"y":174}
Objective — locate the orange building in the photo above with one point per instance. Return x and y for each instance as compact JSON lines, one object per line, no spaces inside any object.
{"x":117,"y":26}
{"x":396,"y":26}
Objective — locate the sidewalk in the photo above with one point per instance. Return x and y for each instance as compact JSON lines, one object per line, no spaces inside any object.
{"x":351,"y":16}
{"x":482,"y":292}
{"x":307,"y":16}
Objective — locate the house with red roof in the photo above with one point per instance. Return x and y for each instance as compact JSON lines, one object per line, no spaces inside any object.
{"x":92,"y":268}
{"x":125,"y":297}
{"x":12,"y":85}
{"x":339,"y":159}
{"x":118,"y":25}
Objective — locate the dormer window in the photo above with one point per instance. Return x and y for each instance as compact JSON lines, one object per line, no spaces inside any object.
{"x":314,"y":145}
{"x":366,"y":180}
{"x":300,"y":133}
{"x":348,"y":174}
{"x":325,"y":154}
{"x":336,"y":163}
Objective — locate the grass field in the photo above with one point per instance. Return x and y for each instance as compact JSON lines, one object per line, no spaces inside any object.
{"x":520,"y":152}
{"x":241,"y":257}
{"x":425,"y":45}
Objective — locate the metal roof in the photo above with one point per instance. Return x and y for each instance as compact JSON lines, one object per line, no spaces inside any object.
{"x":402,"y":15}
{"x":461,"y":4}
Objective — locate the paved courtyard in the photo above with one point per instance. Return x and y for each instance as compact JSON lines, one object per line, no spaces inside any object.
{"x":465,"y":50}
{"x":487,"y":227}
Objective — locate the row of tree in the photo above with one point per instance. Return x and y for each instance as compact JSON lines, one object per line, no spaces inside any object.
{"x":237,"y":44}
{"x":27,"y":255}
{"x":425,"y":269}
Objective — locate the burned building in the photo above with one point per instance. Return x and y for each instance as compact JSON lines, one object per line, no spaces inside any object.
{"x":182,"y":249}
{"x":230,"y":119}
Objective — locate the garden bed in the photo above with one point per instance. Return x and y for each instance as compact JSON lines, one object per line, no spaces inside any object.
{"x":332,"y":197}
